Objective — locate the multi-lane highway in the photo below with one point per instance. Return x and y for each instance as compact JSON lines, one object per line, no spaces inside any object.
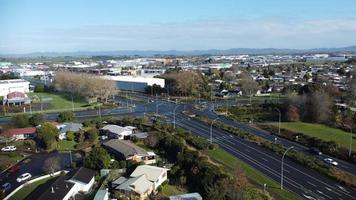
{"x":306,"y":183}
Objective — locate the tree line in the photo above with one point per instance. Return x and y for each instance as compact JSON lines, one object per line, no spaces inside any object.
{"x":85,"y":85}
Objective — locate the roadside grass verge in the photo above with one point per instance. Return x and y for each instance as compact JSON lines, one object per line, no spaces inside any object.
{"x":322,"y":132}
{"x":26,"y":190}
{"x":231,"y":163}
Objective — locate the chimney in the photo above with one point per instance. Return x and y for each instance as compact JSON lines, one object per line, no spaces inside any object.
{"x":52,"y":189}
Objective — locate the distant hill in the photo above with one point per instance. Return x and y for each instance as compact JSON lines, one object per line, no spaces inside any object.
{"x":233,"y":51}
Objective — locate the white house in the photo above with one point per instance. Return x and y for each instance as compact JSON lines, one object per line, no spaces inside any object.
{"x":118,"y":132}
{"x":14,"y":85}
{"x":83,"y":179}
{"x":142,"y":182}
{"x":66,"y":187}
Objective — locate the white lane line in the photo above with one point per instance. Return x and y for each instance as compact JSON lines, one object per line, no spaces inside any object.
{"x":247,"y":150}
{"x":312,"y":184}
{"x":201,"y":127}
{"x":265,"y":159}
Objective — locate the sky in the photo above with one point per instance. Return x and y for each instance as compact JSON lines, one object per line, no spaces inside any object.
{"x":28,"y":26}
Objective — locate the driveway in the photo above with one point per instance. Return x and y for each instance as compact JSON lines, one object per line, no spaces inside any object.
{"x":33,"y":165}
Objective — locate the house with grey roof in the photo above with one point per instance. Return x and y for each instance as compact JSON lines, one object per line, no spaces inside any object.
{"x":65,"y":127}
{"x":127,"y":150}
{"x":142,"y":182}
{"x":188,"y":196}
{"x":117,"y":132}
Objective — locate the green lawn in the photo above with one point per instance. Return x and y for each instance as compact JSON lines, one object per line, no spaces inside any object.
{"x":25,"y":191}
{"x":64,"y":145}
{"x":322,"y":132}
{"x":9,"y":159}
{"x":232,"y":163}
{"x":171,"y":190}
{"x":60,"y":101}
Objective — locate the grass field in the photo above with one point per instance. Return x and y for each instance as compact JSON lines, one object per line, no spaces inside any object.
{"x":322,"y":132}
{"x":232,"y":163}
{"x":60,"y":101}
{"x":25,"y":191}
{"x":170,"y":190}
{"x":64,"y":145}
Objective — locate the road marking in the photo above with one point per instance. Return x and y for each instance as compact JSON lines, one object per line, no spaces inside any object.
{"x":247,"y":150}
{"x":311,"y":183}
{"x":308,"y":197}
{"x":342,"y":188}
{"x":265,"y":159}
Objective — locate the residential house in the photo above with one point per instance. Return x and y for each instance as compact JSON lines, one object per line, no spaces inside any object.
{"x":127,"y":150}
{"x":20,"y":133}
{"x":68,"y":186}
{"x":142,"y":182}
{"x":102,"y":195}
{"x":117,"y":132}
{"x":64,"y":128}
{"x":16,"y":98}
{"x":188,"y":196}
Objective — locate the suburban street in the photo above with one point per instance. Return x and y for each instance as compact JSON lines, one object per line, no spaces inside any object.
{"x":33,"y":165}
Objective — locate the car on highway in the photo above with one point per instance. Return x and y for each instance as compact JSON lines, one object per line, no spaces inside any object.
{"x":5,"y":187}
{"x":8,"y":148}
{"x":315,"y":151}
{"x":24,"y":177}
{"x":330,"y":161}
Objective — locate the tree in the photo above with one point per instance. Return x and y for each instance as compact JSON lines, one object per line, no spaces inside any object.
{"x":92,"y":135}
{"x":70,"y":135}
{"x":37,"y":119}
{"x":66,"y":116}
{"x":51,"y":165}
{"x":21,"y":120}
{"x":39,"y":88}
{"x":255,"y":194}
{"x":248,"y":85}
{"x":97,"y":159}
{"x":293,"y":114}
{"x":47,"y":133}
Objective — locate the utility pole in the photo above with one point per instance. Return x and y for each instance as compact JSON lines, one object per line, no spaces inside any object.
{"x":211,"y":130}
{"x":174,"y":116}
{"x":279,"y":120}
{"x":350,"y":147}
{"x":282,"y":165}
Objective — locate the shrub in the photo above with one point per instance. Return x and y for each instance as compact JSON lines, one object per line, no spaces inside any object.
{"x":66,"y":116}
{"x":70,"y":135}
{"x":21,"y":120}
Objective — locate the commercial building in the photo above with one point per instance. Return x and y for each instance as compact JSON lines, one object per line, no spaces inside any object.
{"x":14,"y":85}
{"x":135,"y":83}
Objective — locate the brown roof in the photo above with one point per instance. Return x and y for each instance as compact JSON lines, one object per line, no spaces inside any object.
{"x":15,"y":94}
{"x":20,"y":131}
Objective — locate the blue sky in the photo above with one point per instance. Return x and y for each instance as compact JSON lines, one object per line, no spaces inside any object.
{"x":93,"y":25}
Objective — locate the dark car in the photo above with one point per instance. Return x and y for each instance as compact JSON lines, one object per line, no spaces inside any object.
{"x":13,"y":169}
{"x":315,"y":151}
{"x":5,"y":187}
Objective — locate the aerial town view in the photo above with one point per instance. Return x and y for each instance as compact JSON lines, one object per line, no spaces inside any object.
{"x":177,"y":100}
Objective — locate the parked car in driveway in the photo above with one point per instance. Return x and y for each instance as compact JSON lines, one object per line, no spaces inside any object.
{"x":5,"y":187}
{"x":8,"y":148}
{"x":330,"y":161}
{"x":24,"y":177}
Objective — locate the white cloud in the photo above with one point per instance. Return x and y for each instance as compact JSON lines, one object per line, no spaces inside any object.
{"x":222,"y":34}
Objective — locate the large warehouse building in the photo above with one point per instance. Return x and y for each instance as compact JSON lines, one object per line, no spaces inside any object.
{"x":135,"y":83}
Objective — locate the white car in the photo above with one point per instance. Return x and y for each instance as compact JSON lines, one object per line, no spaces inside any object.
{"x":330,"y":161}
{"x":8,"y":148}
{"x":23,"y":177}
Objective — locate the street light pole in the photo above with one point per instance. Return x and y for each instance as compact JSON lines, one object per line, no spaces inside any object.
{"x":174,"y":116}
{"x":350,"y":147}
{"x":279,"y":120}
{"x":282,"y":165}
{"x":211,"y":130}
